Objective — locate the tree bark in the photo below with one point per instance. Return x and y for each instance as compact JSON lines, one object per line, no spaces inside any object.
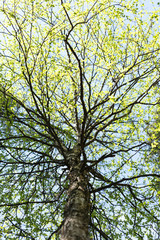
{"x":76,"y":213}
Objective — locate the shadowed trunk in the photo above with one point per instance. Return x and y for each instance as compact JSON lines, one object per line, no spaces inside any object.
{"x":76,"y":213}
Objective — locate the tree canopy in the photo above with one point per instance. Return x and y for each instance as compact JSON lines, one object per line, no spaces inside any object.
{"x":78,"y":80}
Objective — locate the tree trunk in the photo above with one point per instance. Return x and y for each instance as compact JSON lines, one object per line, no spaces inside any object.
{"x":76,"y":213}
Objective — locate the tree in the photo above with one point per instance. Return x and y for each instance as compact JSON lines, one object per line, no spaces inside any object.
{"x":77,"y":83}
{"x":153,"y":132}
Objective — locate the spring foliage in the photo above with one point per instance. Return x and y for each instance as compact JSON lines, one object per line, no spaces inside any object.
{"x":77,"y":73}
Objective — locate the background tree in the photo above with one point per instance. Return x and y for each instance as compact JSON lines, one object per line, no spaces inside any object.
{"x":77,"y":83}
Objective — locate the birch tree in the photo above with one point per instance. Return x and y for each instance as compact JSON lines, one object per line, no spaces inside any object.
{"x":77,"y":81}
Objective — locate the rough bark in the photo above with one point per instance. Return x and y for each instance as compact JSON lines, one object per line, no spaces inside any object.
{"x":76,"y":213}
